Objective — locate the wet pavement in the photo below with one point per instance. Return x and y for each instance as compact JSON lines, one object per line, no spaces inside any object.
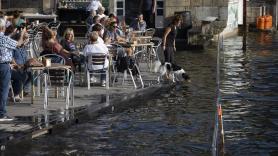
{"x":32,"y":120}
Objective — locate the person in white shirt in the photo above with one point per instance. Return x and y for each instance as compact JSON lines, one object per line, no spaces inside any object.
{"x":96,"y":47}
{"x":94,"y":5}
{"x":101,"y":11}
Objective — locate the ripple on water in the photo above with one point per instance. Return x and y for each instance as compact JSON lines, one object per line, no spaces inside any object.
{"x":250,"y":98}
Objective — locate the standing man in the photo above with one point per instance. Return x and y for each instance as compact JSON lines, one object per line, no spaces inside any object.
{"x":148,"y":8}
{"x":6,"y":46}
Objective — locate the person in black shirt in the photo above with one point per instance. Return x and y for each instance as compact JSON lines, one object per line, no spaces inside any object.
{"x":169,"y":45}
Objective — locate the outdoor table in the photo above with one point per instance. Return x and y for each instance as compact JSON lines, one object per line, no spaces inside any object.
{"x":39,"y":70}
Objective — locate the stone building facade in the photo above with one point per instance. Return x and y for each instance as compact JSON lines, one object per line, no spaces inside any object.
{"x":30,"y":6}
{"x":199,"y":8}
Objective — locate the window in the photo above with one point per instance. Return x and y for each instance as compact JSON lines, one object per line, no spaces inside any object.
{"x":120,"y":7}
{"x":160,"y":8}
{"x":159,"y":19}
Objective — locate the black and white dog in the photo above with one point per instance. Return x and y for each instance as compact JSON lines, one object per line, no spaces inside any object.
{"x":172,"y":72}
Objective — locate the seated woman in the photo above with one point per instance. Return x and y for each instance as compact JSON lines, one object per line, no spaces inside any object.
{"x":68,"y":44}
{"x":21,"y":78}
{"x":50,"y":45}
{"x":96,"y":47}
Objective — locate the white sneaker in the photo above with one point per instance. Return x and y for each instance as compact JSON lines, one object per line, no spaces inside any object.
{"x":103,"y":84}
{"x":93,"y":79}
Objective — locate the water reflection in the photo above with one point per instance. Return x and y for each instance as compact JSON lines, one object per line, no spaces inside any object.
{"x":250,"y":95}
{"x":175,"y":121}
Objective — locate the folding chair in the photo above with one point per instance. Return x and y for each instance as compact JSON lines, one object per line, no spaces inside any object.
{"x":95,"y":60}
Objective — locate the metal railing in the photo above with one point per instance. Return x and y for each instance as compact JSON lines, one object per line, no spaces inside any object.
{"x":218,"y":134}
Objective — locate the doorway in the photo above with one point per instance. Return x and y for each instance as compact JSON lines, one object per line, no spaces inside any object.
{"x":131,"y":10}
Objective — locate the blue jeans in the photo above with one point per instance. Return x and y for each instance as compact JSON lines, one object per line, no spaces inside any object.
{"x":5,"y":77}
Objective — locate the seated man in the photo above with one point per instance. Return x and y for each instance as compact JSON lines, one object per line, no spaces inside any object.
{"x":99,"y":29}
{"x":139,"y":24}
{"x":96,"y":47}
{"x":21,"y":79}
{"x":112,"y":35}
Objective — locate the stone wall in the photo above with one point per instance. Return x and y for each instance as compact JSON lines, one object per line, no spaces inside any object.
{"x":175,"y":6}
{"x":30,"y":6}
{"x":6,"y":4}
{"x":253,"y":13}
{"x":200,"y":9}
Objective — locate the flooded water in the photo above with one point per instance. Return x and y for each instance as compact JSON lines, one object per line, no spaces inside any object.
{"x":250,"y":93}
{"x":180,"y":120}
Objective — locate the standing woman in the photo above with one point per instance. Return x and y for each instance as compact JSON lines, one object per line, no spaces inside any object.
{"x":169,"y":37}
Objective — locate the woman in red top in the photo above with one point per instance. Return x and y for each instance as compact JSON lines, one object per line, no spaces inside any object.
{"x":50,"y":45}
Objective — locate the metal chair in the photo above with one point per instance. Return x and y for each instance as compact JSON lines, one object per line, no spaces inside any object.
{"x":124,"y":64}
{"x":153,"y":54}
{"x":54,"y":58}
{"x":54,"y":25}
{"x":35,"y":40}
{"x":94,"y":60}
{"x":157,"y":43}
{"x":61,"y":77}
{"x":150,"y":32}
